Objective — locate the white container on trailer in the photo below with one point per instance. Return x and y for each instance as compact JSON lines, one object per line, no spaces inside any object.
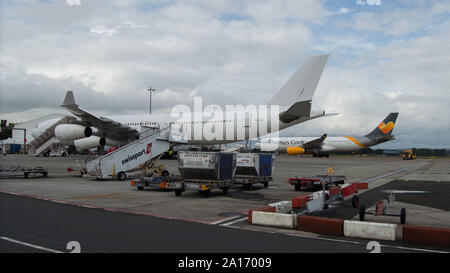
{"x":211,"y":166}
{"x":254,"y":164}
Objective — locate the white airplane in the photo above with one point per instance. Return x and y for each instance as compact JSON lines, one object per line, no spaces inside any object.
{"x":321,"y":146}
{"x":294,"y":100}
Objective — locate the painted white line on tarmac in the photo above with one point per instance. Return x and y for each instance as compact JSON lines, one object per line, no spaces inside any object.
{"x":234,"y":222}
{"x":225,"y":220}
{"x":417,"y":166}
{"x":30,"y":245}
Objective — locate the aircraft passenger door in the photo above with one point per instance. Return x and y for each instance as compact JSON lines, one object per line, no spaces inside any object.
{"x":179,"y":133}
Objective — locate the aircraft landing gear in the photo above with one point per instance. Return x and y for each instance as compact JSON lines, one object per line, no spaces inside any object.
{"x":320,"y":154}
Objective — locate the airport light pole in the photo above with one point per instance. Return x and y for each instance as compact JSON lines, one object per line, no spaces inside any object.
{"x":150,"y":90}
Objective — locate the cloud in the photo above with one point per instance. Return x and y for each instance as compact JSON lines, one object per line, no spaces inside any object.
{"x":373,"y":2}
{"x":407,"y":76}
{"x":368,"y":2}
{"x":343,"y":45}
{"x":400,"y":21}
{"x":344,"y":10}
{"x":230,"y":52}
{"x":103,"y":30}
{"x":119,"y":49}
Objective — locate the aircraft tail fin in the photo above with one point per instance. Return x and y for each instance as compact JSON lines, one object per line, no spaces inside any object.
{"x":385,"y":128}
{"x":69,"y":99}
{"x":298,"y":91}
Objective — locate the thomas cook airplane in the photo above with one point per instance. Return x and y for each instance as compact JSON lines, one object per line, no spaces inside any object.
{"x":321,"y":146}
{"x":294,"y":100}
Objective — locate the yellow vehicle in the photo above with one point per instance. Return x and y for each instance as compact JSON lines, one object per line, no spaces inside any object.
{"x":408,"y":155}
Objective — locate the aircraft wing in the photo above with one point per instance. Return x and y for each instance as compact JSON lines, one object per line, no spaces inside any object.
{"x":315,"y":144}
{"x":104,"y":124}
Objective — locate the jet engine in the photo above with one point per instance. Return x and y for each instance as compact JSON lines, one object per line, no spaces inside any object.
{"x":295,"y":150}
{"x":72,"y":131}
{"x":87,"y":143}
{"x":95,"y":141}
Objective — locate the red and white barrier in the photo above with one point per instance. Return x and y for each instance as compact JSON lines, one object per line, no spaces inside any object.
{"x":361,"y":185}
{"x":266,"y":209}
{"x":321,"y":225}
{"x":274,"y":219}
{"x":426,"y":235}
{"x":282,"y":206}
{"x":349,"y":189}
{"x":299,"y":202}
{"x":370,"y":230}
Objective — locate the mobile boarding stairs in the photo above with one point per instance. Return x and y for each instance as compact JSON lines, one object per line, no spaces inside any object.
{"x":138,"y":154}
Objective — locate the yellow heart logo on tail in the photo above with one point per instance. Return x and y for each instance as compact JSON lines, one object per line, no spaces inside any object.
{"x":386,"y":128}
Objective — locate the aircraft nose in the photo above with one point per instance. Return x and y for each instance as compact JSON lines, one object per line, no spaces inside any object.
{"x":258,"y":145}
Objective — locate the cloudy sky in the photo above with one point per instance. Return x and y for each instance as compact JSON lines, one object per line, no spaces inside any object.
{"x":386,"y":56}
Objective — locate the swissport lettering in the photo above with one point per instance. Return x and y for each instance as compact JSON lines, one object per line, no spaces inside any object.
{"x":133,"y":157}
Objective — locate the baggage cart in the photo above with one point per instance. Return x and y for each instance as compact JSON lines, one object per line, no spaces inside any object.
{"x":25,"y":171}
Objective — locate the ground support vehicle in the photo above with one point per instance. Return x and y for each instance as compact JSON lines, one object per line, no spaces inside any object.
{"x":315,"y":182}
{"x":203,"y":187}
{"x":155,"y":182}
{"x":178,"y":185}
{"x":248,"y":182}
{"x":25,"y":171}
{"x":133,"y":156}
{"x":408,"y":155}
{"x":80,"y":169}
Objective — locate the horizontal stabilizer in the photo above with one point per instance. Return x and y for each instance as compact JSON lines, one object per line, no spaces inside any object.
{"x":296,"y":111}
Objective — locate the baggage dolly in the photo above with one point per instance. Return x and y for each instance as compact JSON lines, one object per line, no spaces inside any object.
{"x":381,"y":207}
{"x":179,"y":185}
{"x":247,"y":182}
{"x":154,"y":182}
{"x":25,"y":171}
{"x":203,"y":187}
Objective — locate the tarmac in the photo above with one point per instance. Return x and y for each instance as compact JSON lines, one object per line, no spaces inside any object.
{"x":430,"y":209}
{"x":55,"y":225}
